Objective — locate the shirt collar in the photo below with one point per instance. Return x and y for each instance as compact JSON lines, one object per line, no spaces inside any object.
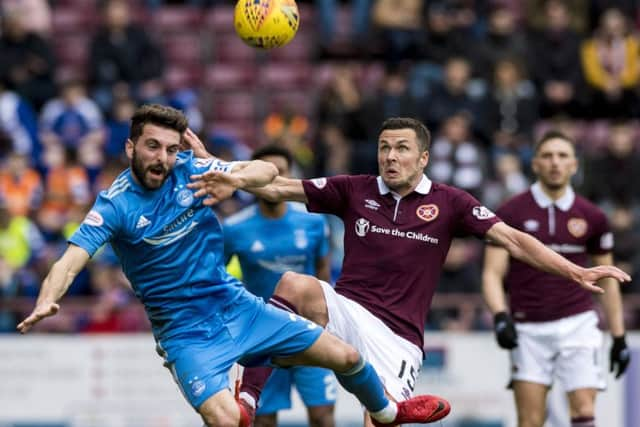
{"x":423,"y":187}
{"x":564,"y":203}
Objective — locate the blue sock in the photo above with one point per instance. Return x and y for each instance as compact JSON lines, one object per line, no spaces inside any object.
{"x":363,"y":381}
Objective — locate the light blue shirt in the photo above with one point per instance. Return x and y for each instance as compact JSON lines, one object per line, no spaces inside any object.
{"x":268,"y":247}
{"x":169,"y":244}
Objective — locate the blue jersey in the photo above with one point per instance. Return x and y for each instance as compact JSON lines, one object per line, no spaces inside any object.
{"x":268,"y":247}
{"x":169,"y":244}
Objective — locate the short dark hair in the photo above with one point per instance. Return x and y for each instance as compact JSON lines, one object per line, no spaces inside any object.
{"x":159,"y":115}
{"x":549,"y":135}
{"x":272,"y":150}
{"x":423,"y":134}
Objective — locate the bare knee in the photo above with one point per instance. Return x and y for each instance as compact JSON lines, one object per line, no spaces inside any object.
{"x":531,"y":420}
{"x":220,"y":415}
{"x":304,"y":292}
{"x":321,"y":416}
{"x":345,"y":358}
{"x":582,"y":409}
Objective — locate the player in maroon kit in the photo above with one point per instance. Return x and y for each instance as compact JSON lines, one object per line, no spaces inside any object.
{"x":555,"y":332}
{"x":398,"y":228}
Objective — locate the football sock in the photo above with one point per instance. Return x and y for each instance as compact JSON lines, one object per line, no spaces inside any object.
{"x":583,"y":422}
{"x":363,"y":381}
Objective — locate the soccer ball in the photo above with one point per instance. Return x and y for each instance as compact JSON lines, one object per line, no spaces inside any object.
{"x":266,"y":24}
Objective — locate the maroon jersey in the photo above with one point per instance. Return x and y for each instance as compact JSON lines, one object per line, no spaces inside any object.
{"x":394,"y":248}
{"x":573,"y":227}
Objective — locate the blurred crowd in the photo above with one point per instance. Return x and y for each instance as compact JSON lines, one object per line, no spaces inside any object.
{"x":486,"y":76}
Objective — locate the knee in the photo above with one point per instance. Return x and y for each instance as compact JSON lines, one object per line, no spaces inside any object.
{"x":530,"y":420}
{"x":349,"y":358}
{"x":289,"y":285}
{"x":582,"y":409}
{"x":221,"y":416}
{"x":325,"y":420}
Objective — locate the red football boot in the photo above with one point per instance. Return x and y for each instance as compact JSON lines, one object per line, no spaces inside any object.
{"x":420,"y":409}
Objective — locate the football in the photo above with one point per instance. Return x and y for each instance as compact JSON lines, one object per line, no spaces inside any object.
{"x":266,"y":24}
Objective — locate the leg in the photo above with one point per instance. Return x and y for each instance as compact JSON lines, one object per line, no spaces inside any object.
{"x":220,"y":410}
{"x":267,"y":420}
{"x":303,"y":295}
{"x":530,"y":403}
{"x":321,"y":416}
{"x":581,"y":404}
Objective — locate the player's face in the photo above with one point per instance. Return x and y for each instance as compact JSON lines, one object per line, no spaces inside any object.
{"x":400,"y":161}
{"x":555,"y":163}
{"x":153,"y":155}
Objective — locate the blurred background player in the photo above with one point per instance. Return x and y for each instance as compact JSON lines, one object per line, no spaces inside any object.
{"x":270,"y":239}
{"x":555,"y":334}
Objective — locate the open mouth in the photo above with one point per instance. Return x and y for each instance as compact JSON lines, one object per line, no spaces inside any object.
{"x":156,"y":171}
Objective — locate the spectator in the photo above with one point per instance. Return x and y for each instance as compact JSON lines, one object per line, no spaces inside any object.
{"x":66,"y":185}
{"x":510,"y":110}
{"x":612,"y":175}
{"x":503,"y":40}
{"x":455,"y":158}
{"x":38,"y":11}
{"x":400,"y":27}
{"x":27,"y":62}
{"x":555,"y":62}
{"x":626,"y":234}
{"x":71,"y":119}
{"x":611,"y":66}
{"x":509,"y":180}
{"x":453,"y":95}
{"x":19,"y":123}
{"x":117,"y":127}
{"x":123,"y":57}
{"x":328,"y":15}
{"x":20,"y":239}
{"x":20,"y":186}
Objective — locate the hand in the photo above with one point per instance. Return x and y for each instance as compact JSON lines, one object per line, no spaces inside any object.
{"x":39,"y":312}
{"x":619,"y":357}
{"x":505,"y":330}
{"x":217,"y":186}
{"x":190,"y":141}
{"x":590,"y":276}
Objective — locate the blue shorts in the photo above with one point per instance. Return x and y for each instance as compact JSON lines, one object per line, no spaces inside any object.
{"x":246,"y":330}
{"x":316,"y":386}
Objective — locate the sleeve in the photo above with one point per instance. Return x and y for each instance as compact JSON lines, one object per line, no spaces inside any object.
{"x":323,"y":246}
{"x":473,"y":218}
{"x":601,"y":239}
{"x":99,"y":226}
{"x":199,"y":166}
{"x":327,"y":195}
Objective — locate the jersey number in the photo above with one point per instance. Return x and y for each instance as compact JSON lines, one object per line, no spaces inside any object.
{"x":408,"y":374}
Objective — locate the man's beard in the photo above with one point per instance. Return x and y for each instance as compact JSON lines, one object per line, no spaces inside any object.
{"x":139,"y":171}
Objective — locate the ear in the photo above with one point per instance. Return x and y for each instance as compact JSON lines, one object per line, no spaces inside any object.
{"x":128,"y":148}
{"x":424,"y":159}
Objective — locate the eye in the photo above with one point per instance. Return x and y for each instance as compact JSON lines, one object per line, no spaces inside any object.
{"x":173,"y":149}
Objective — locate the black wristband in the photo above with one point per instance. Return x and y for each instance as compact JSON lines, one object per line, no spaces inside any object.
{"x":502,"y":316}
{"x":620,"y":341}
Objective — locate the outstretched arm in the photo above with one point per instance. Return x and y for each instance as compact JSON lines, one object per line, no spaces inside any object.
{"x":496,"y":262}
{"x":55,"y":285}
{"x":530,"y":250}
{"x":611,"y":300}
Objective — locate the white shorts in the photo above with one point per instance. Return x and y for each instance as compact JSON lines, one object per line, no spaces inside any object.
{"x":568,"y":349}
{"x":396,"y":360}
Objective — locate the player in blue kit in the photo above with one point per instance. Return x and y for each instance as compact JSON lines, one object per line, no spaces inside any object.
{"x":170,"y":246}
{"x":270,"y":239}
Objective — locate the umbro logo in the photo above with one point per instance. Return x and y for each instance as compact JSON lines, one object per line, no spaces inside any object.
{"x":142,"y":222}
{"x":371,"y":204}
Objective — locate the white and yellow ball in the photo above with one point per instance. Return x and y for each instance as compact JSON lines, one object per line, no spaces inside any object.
{"x":266,"y":24}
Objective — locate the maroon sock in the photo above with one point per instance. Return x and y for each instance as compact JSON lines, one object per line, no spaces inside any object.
{"x":283,"y":304}
{"x":583,"y":422}
{"x":254,"y":379}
